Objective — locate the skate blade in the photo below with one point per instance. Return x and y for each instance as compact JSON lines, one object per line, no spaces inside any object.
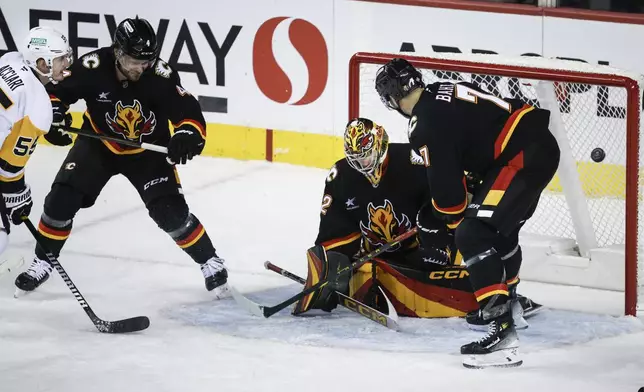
{"x":483,"y":327}
{"x":518,"y":316}
{"x":221,"y":292}
{"x":508,"y":357}
{"x":19,"y":293}
{"x":529,"y":313}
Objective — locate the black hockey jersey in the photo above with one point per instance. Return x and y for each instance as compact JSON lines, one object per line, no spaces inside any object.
{"x":357,"y":217}
{"x":135,"y":111}
{"x":459,"y":127}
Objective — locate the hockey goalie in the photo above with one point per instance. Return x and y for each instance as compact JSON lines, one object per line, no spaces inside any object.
{"x":374,"y":194}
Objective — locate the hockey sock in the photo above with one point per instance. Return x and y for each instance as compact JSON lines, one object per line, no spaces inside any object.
{"x":193,"y":239}
{"x":487,"y":276}
{"x":512,"y":262}
{"x":54,"y":234}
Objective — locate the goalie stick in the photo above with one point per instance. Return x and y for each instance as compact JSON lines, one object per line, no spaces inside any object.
{"x":386,"y":320}
{"x":120,"y":326}
{"x":268,"y":311}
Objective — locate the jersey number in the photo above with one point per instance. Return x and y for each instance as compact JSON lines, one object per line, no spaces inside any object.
{"x":24,"y":145}
{"x":5,"y":101}
{"x":470,"y":95}
{"x":424,"y":153}
{"x":326,"y":203}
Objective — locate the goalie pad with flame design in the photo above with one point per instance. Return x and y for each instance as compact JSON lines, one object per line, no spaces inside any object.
{"x":441,"y":292}
{"x":323,"y":265}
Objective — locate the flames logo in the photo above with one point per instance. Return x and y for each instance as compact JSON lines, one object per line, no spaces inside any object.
{"x":383,"y":225}
{"x":130,"y":122}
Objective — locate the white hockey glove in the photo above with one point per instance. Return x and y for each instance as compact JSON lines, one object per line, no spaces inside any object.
{"x":18,"y":205}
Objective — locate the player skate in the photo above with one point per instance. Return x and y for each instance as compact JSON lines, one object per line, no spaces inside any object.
{"x":37,"y":274}
{"x":522,"y":307}
{"x":216,"y":276}
{"x":498,"y":348}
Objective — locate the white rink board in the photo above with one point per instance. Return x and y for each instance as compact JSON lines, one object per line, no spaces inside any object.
{"x":346,"y":26}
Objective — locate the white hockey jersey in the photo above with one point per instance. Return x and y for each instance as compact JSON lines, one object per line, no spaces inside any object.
{"x":25,"y":114}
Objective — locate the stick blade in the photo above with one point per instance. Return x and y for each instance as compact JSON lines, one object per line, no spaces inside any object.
{"x":386,"y":320}
{"x":250,"y":306}
{"x":133,"y":324}
{"x":391,"y":310}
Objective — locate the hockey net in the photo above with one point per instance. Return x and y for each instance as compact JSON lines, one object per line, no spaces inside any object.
{"x":587,"y":225}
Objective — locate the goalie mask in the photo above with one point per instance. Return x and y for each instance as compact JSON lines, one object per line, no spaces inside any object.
{"x":365,"y":147}
{"x":395,"y":80}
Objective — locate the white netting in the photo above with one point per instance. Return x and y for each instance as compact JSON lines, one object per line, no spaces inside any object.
{"x":594,"y":119}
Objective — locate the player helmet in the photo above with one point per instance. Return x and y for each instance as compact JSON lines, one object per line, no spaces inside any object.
{"x":395,"y":80}
{"x":137,"y":39}
{"x":45,"y":43}
{"x":365,"y":147}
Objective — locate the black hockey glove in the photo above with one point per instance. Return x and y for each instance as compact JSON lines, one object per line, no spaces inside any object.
{"x":61,"y":119}
{"x":18,"y":205}
{"x":184,"y":145}
{"x":434,"y":236}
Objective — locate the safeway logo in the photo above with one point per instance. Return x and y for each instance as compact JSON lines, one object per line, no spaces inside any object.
{"x":295,"y":77}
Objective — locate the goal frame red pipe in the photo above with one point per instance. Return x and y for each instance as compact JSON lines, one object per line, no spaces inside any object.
{"x":632,"y":128}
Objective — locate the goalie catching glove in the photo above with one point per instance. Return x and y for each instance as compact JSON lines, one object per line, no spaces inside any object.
{"x":323,"y":265}
{"x":184,"y":145}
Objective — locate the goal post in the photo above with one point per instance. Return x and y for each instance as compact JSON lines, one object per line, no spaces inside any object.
{"x":588,"y":217}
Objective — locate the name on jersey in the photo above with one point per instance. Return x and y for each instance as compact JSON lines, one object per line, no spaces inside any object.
{"x":445,"y":92}
{"x":11,"y":77}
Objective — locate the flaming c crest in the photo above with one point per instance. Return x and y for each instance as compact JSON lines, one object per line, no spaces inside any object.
{"x":384,"y":225}
{"x":130,"y":121}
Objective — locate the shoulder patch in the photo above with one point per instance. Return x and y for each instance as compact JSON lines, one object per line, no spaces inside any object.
{"x":91,"y":61}
{"x":162,"y":69}
{"x":333,"y":173}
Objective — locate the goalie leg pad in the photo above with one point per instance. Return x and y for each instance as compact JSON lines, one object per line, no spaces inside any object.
{"x":323,"y":265}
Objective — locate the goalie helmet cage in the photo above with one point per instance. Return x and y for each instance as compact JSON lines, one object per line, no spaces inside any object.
{"x":592,"y":204}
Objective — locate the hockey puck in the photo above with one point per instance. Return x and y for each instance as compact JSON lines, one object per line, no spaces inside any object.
{"x":598,"y":154}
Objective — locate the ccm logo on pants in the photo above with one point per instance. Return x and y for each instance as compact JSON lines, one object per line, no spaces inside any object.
{"x":155,"y":182}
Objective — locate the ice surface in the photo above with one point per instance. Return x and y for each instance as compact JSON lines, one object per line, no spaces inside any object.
{"x":256,"y":211}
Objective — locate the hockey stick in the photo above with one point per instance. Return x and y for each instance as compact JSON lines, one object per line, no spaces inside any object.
{"x":145,"y":146}
{"x":268,"y":311}
{"x":387,"y":320}
{"x":120,"y":326}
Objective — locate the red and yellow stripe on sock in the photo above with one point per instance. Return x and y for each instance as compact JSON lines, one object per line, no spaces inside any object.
{"x":192,"y":238}
{"x":488,"y":291}
{"x":57,"y":234}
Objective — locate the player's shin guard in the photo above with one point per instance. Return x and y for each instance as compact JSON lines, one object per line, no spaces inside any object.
{"x":512,"y":262}
{"x":191,"y":236}
{"x":54,"y":235}
{"x":323,"y":265}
